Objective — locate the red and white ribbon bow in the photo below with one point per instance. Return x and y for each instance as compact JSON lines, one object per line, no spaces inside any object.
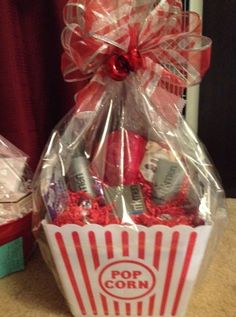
{"x":155,"y":39}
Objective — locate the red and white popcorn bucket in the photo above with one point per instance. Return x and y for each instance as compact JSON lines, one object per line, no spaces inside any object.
{"x":119,"y":271}
{"x":124,"y":191}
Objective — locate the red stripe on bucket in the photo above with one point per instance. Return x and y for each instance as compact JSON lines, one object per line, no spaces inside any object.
{"x":187,"y":260}
{"x":151,"y":305}
{"x":139,"y":308}
{"x":70,"y":273}
{"x":109,"y":244}
{"x":116,"y":308}
{"x":125,"y":243}
{"x":157,"y":250}
{"x":81,"y":259}
{"x":141,"y":245}
{"x":171,"y":262}
{"x":94,"y":249}
{"x":104,"y":304}
{"x":128,"y":309}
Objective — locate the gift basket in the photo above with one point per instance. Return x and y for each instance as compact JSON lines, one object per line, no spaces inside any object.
{"x":16,"y":240}
{"x":125,"y":196}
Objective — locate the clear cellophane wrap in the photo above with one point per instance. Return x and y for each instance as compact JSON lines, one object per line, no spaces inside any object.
{"x":124,"y":165}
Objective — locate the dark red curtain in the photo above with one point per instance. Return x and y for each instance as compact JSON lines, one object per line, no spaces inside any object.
{"x":33,"y":93}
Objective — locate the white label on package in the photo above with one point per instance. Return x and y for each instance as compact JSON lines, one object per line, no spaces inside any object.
{"x":154,"y":152}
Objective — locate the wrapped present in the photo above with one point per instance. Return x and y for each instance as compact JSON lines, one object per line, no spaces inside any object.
{"x":125,"y":196}
{"x":16,"y":240}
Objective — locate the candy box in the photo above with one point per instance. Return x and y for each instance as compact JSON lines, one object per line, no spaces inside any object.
{"x":127,"y":205}
{"x":16,"y":240}
{"x":16,"y":244}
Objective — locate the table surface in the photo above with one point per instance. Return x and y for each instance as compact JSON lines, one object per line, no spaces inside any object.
{"x":34,"y":293}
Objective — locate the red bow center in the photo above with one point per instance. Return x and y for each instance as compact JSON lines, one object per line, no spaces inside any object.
{"x":119,"y":66}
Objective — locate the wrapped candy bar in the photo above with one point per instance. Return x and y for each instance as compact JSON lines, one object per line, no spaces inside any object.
{"x":16,"y":241}
{"x":126,"y":199}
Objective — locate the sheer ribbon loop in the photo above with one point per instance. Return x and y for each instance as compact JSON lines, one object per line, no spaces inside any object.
{"x":114,"y":38}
